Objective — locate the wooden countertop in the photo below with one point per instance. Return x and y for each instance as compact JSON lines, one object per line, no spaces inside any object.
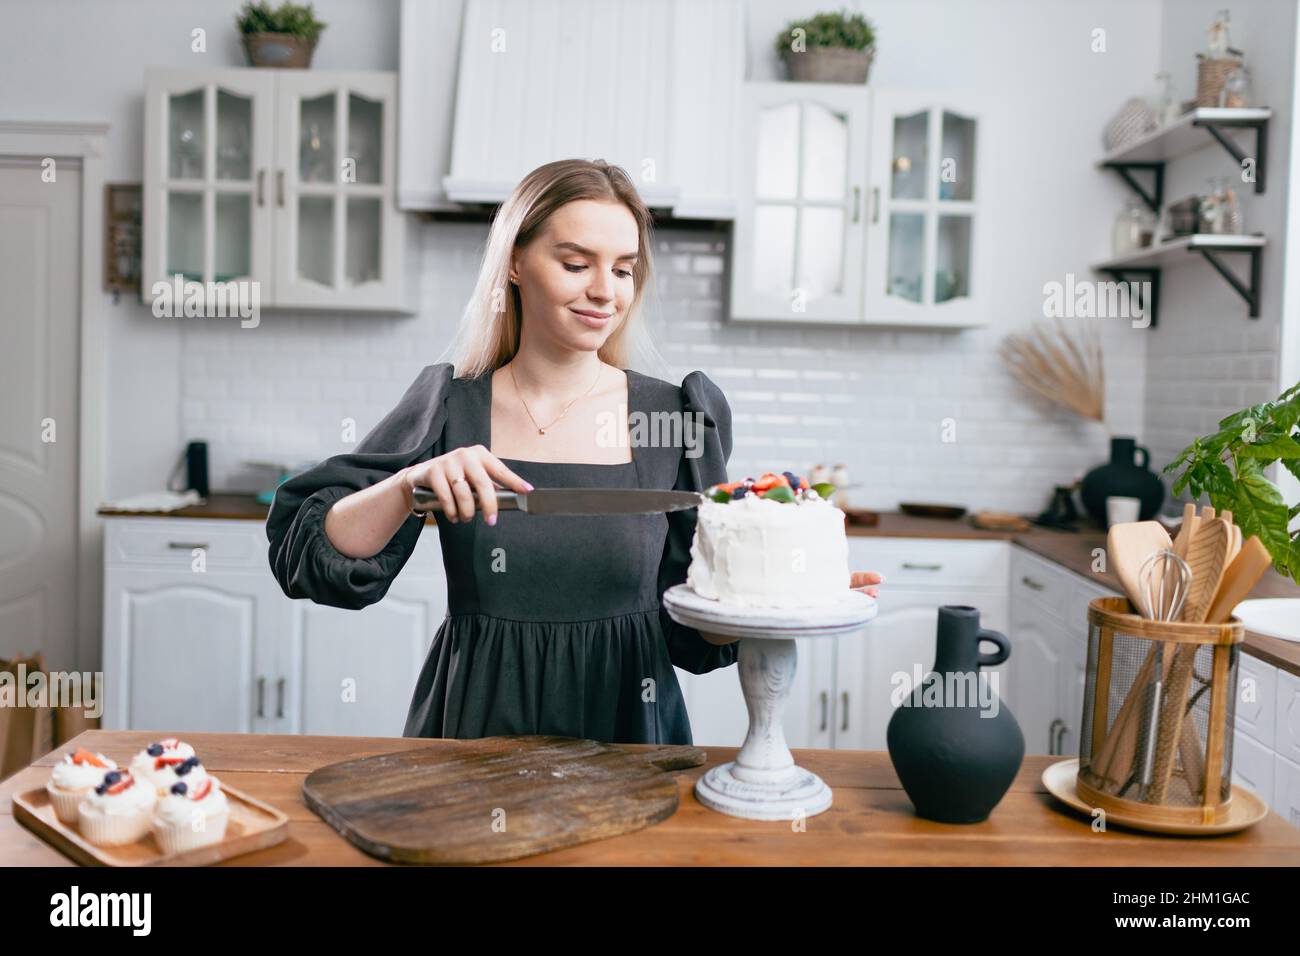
{"x":870,"y":823}
{"x":1072,"y":550}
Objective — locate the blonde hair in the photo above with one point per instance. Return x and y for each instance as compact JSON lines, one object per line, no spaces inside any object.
{"x":489,"y":332}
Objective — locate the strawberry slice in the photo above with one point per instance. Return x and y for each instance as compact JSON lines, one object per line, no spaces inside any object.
{"x":122,"y":784}
{"x":86,"y":757}
{"x":162,"y":762}
{"x":204,"y":789}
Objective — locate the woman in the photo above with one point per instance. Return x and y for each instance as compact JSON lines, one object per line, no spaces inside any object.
{"x":555,"y":624}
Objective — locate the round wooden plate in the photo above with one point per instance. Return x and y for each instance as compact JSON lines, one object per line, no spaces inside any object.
{"x":1246,"y":808}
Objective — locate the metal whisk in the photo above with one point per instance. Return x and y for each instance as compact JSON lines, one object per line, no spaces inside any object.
{"x":1165,"y":578}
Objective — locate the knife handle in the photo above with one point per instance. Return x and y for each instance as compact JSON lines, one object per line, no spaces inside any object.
{"x":426,"y":500}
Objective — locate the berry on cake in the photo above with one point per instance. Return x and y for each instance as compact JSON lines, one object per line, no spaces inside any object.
{"x":166,"y":762}
{"x":771,"y":542}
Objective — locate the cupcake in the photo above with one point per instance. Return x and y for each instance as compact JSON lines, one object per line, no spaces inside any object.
{"x":73,"y":779}
{"x":191,"y":815}
{"x":117,"y":811}
{"x":159,"y":762}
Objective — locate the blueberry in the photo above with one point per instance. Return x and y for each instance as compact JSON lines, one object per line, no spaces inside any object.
{"x":154,"y":750}
{"x":186,"y":766}
{"x":739,"y":492}
{"x":101,"y":789}
{"x":179,"y":788}
{"x":112,"y":777}
{"x":792,"y":478}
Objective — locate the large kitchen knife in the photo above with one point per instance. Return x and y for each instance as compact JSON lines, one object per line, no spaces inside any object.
{"x":579,"y":501}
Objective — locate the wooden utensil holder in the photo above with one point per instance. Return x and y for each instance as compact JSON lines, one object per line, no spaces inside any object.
{"x":1190,"y":781}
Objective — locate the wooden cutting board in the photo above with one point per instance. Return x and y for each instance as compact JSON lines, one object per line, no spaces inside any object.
{"x":496,"y":798}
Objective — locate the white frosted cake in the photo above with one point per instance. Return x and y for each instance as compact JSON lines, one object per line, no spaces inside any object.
{"x":774,"y":542}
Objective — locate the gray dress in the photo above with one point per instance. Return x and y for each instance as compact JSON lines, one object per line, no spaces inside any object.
{"x":555,"y":624}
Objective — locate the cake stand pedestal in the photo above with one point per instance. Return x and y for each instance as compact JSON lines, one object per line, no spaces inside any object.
{"x":763,"y":782}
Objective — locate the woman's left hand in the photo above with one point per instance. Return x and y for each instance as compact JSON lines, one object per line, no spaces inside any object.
{"x":859,"y":581}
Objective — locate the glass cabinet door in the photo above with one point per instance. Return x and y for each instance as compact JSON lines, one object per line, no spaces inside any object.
{"x":921,"y":248}
{"x":799,"y":222}
{"x":208,"y":152}
{"x":336,"y":241}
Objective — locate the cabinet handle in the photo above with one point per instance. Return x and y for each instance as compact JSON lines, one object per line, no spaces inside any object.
{"x":1060,"y":738}
{"x":261,"y":695}
{"x":857,"y":203}
{"x":824,"y":703}
{"x":920,"y":566}
{"x":1030,"y":583}
{"x":875,"y":204}
{"x":844,"y":705}
{"x":1052,"y":735}
{"x":187,"y":545}
{"x":279,"y":187}
{"x":261,"y":187}
{"x":279,"y":697}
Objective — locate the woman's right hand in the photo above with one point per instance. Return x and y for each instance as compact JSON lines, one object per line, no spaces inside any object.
{"x":478,"y":466}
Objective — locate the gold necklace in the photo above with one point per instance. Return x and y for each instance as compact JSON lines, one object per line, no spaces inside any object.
{"x":540,"y":429}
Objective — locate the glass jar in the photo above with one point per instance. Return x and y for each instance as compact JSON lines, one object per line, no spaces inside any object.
{"x":1134,"y":229}
{"x":1236,"y":91}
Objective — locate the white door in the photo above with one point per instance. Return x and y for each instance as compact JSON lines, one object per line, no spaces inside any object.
{"x":40,"y":242}
{"x":800,"y":203}
{"x":337,"y":229}
{"x":187,"y":652}
{"x":1036,"y":645}
{"x":926,"y":245}
{"x":209,"y":148}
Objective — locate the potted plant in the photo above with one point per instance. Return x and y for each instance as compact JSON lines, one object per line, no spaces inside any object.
{"x":828,"y":48}
{"x":282,"y":37}
{"x":1229,"y":466}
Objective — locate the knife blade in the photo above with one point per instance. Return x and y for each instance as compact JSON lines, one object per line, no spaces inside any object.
{"x":578,"y":501}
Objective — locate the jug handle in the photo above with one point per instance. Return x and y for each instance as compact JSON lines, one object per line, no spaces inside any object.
{"x":1146,"y":457}
{"x":1003,"y":651}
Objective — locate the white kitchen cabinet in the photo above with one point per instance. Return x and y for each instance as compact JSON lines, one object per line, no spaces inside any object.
{"x":1038,"y":646}
{"x":798,"y":239}
{"x":1254,"y":765}
{"x":862,"y":206}
{"x":1257,"y":700}
{"x":928,"y":243}
{"x":282,"y":178}
{"x":1286,"y":727}
{"x":1286,"y":790}
{"x":198,"y":636}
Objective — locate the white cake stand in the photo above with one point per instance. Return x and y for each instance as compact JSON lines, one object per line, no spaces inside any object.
{"x":763,"y":782}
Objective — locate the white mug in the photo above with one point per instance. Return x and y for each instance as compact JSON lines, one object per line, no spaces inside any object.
{"x":1121,"y":510}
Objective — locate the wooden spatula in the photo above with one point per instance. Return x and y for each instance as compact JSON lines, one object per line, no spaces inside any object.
{"x":1130,"y":544}
{"x":1206,"y":555}
{"x":1239,"y":580}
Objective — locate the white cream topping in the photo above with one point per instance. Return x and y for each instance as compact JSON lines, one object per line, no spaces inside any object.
{"x":145,"y":767}
{"x":764,"y":553}
{"x":135,"y":798}
{"x":68,"y":775}
{"x":177,"y":810}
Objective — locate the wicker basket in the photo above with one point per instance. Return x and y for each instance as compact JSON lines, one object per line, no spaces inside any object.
{"x":1210,"y":75}
{"x":1160,"y":753}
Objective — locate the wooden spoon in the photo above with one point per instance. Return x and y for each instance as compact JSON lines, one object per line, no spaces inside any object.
{"x":1239,"y":579}
{"x":1128,"y":545}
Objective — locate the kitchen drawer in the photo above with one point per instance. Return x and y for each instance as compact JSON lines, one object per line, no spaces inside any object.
{"x":932,"y":562}
{"x":169,"y":542}
{"x":1253,"y":766}
{"x":1257,"y":716}
{"x":1044,"y":583}
{"x":1286,"y":739}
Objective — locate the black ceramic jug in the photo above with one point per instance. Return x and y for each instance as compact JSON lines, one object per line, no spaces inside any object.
{"x":1123,"y":476}
{"x":956,"y":755}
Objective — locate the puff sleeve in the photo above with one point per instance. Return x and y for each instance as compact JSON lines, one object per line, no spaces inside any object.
{"x":696,"y":472}
{"x":302,"y":558}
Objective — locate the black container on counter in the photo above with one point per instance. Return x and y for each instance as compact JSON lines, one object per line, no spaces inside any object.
{"x":1122,"y":476}
{"x":957,"y":748}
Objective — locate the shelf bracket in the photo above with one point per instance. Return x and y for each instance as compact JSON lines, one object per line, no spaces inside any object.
{"x":1260,"y":126}
{"x":1152,"y":275}
{"x":1153,"y":199}
{"x":1249,"y":293}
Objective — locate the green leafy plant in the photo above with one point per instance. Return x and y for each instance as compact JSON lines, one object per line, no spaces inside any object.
{"x":854,"y":32}
{"x":1229,"y":466}
{"x":296,"y":18}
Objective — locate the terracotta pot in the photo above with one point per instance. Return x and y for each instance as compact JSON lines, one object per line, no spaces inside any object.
{"x":283,"y":50}
{"x":827,"y":64}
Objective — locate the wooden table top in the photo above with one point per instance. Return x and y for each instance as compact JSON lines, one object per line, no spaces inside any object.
{"x":870,"y":824}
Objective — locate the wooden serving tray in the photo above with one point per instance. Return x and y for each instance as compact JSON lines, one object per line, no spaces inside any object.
{"x":252,"y":825}
{"x":496,"y":798}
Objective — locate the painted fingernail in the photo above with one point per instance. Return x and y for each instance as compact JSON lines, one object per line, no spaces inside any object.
{"x":492,"y":519}
{"x":528,"y":486}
